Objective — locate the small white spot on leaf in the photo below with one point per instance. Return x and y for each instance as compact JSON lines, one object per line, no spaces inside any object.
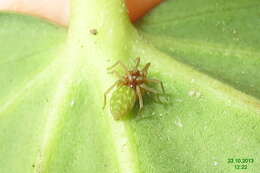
{"x":215,"y":163}
{"x":178,"y":122}
{"x":194,"y":93}
{"x":191,"y":93}
{"x":72,"y":103}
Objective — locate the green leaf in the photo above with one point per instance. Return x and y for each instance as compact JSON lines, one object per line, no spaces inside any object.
{"x":219,"y":38}
{"x":53,"y":79}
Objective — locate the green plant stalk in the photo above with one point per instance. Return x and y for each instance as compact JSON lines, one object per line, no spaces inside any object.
{"x":112,"y":42}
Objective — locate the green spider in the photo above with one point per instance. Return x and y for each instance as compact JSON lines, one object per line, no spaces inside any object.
{"x":130,"y":87}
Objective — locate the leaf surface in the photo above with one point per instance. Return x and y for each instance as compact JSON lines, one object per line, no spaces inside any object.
{"x":53,"y":79}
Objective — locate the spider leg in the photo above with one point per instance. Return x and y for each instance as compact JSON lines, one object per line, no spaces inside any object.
{"x":118,"y":63}
{"x":140,"y":98}
{"x":146,"y":88}
{"x":146,"y":67}
{"x":108,"y":91}
{"x":137,"y":63}
{"x":156,"y":81}
{"x":116,"y":73}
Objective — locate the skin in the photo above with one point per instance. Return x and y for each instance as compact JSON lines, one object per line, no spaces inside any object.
{"x":58,"y":10}
{"x":138,"y":8}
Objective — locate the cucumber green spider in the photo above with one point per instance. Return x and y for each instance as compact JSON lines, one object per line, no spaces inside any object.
{"x":129,"y":87}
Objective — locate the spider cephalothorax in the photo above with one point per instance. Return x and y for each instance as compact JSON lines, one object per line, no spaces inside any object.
{"x":134,"y":78}
{"x":130,"y":86}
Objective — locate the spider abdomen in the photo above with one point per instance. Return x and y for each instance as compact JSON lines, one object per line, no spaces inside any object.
{"x":122,"y":101}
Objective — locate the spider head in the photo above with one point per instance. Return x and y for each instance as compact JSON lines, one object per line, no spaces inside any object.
{"x":134,"y":78}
